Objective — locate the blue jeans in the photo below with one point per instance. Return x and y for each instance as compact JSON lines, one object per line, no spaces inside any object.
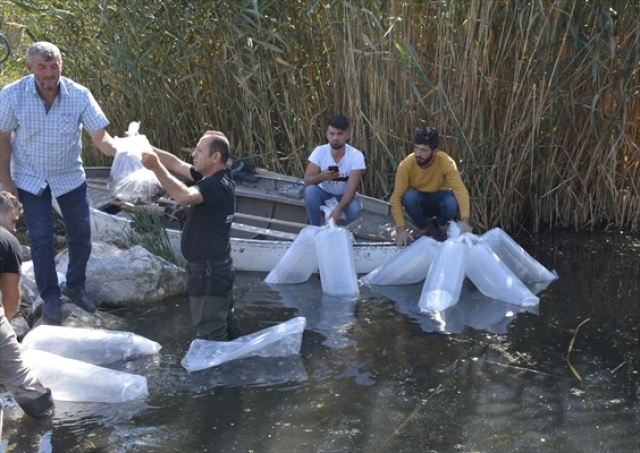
{"x":314,"y":197}
{"x":422,"y":206}
{"x":38,"y":217}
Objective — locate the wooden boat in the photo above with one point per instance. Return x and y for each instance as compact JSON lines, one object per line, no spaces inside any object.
{"x":266,"y":222}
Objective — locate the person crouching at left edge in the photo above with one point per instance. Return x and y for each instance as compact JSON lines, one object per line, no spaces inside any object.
{"x":34,"y":398}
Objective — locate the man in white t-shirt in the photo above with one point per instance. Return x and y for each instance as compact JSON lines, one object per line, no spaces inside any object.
{"x":334,"y":171}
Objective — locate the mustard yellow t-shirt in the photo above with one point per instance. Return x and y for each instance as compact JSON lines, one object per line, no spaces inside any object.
{"x":442,"y":175}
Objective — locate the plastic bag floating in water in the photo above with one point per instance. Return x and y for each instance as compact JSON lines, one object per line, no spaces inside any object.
{"x":494,"y":279}
{"x":334,"y":246}
{"x":81,"y":382}
{"x":443,"y":285}
{"x":300,"y":260}
{"x":96,"y":346}
{"x":277,"y":341}
{"x":409,"y":266}
{"x":523,"y":265}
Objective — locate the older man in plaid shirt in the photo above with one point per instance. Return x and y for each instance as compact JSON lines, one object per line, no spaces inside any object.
{"x":41,"y":120}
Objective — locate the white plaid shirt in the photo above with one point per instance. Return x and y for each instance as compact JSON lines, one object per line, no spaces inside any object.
{"x":46,"y":146}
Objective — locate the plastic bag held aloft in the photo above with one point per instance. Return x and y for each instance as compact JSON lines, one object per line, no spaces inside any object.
{"x":96,"y":346}
{"x":129,"y":180}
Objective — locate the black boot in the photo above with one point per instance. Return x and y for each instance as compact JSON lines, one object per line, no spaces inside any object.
{"x":39,"y":407}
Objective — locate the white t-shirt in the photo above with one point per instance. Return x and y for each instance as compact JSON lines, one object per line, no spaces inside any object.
{"x":353,"y":159}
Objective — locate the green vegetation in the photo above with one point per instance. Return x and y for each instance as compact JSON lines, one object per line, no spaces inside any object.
{"x":539,"y":102}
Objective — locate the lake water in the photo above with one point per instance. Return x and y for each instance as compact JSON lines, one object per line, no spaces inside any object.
{"x":375,"y":376}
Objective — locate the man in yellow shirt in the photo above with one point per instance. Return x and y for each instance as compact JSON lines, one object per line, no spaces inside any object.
{"x":429,"y":188}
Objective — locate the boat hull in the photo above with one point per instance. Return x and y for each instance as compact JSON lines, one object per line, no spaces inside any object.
{"x":253,"y":255}
{"x":266,"y":222}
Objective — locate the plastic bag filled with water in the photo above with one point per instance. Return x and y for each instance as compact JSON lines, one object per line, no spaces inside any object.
{"x":277,"y":341}
{"x":96,"y":346}
{"x":129,"y":180}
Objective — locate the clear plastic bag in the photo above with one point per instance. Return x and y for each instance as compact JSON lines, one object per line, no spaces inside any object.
{"x":494,"y":279}
{"x":82,"y":382}
{"x":300,"y":260}
{"x":409,"y":266}
{"x":334,"y":247}
{"x":129,"y":180}
{"x":443,"y":285}
{"x":277,"y":341}
{"x":523,"y":265}
{"x":95,"y":346}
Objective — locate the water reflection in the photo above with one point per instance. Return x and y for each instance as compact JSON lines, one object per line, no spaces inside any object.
{"x":329,"y":316}
{"x":472,"y":310}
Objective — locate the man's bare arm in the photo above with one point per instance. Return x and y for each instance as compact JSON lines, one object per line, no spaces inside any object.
{"x":104,"y":142}
{"x":173,"y":163}
{"x":184,"y":195}
{"x":10,"y":290}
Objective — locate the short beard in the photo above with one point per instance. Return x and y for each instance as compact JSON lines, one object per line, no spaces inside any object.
{"x":336,"y":146}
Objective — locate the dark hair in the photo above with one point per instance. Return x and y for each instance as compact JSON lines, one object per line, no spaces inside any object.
{"x":427,"y":136}
{"x":219,"y":144}
{"x":339,"y":122}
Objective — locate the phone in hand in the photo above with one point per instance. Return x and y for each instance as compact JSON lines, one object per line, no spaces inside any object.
{"x":333,"y":168}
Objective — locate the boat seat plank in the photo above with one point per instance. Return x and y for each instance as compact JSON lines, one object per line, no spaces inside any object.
{"x":263,"y":231}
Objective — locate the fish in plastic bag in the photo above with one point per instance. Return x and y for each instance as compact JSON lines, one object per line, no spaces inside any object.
{"x":129,"y":180}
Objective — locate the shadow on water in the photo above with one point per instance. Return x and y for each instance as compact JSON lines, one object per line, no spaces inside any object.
{"x":374,"y":375}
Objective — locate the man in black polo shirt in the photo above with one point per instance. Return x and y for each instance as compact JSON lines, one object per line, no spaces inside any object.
{"x":205,"y":236}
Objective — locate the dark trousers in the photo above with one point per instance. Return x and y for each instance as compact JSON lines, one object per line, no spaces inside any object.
{"x":211,"y":299}
{"x":38,"y":218}
{"x":422,"y":206}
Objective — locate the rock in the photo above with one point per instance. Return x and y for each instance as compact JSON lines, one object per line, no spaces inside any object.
{"x":20,"y":326}
{"x":74,"y":316}
{"x":119,"y":278}
{"x":116,"y":277}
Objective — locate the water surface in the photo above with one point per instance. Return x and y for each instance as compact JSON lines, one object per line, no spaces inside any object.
{"x":374,"y":375}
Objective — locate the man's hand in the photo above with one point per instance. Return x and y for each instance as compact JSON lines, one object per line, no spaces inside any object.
{"x":403,"y":237}
{"x":336,"y":214}
{"x":150,"y":160}
{"x":465,"y":227}
{"x":329,"y":175}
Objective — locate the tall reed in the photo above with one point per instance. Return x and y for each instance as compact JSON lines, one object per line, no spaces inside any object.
{"x":538,"y":102}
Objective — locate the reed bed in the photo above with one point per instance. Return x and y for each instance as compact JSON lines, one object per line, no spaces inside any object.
{"x":538,"y":102}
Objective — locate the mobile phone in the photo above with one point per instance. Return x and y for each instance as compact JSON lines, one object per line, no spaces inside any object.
{"x":333,"y":168}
